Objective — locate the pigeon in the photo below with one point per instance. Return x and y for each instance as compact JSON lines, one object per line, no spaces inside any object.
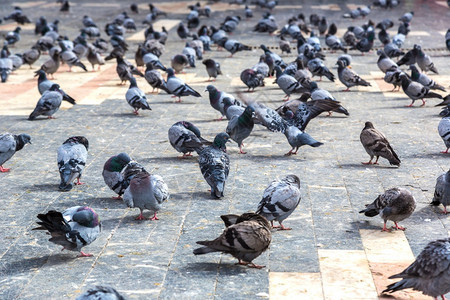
{"x":376,"y":144}
{"x":442,"y":191}
{"x":215,"y":164}
{"x":31,"y":56}
{"x":44,"y":85}
{"x":280,"y":199}
{"x":179,"y":62}
{"x":424,"y":60}
{"x":144,"y":193}
{"x":318,"y":68}
{"x":213,"y":68}
{"x":385,"y":24}
{"x":185,"y":137}
{"x":72,"y":155}
{"x":245,"y":238}
{"x":392,"y":50}
{"x":6,"y":65}
{"x":285,"y":46}
{"x":407,"y":17}
{"x":65,"y":6}
{"x":266,"y":24}
{"x":123,"y":70}
{"x":365,"y":44}
{"x":154,"y":60}
{"x":9,"y":144}
{"x":70,"y":58}
{"x":350,"y":38}
{"x":353,"y":14}
{"x":314,"y":42}
{"x":429,"y":273}
{"x":415,"y":90}
{"x":269,"y":118}
{"x":275,"y":57}
{"x":101,"y":292}
{"x":346,"y":59}
{"x":88,"y":22}
{"x":155,"y":79}
{"x":444,"y":131}
{"x":231,"y":109}
{"x":252,"y":79}
{"x":76,"y":227}
{"x":18,"y":16}
{"x":216,"y":99}
{"x":323,"y":26}
{"x":48,"y":104}
{"x":81,"y":48}
{"x":94,"y":57}
{"x":240,"y":127}
{"x":319,"y":94}
{"x":297,"y":138}
{"x":112,"y":173}
{"x":334,"y":43}
{"x":447,"y":39}
{"x":349,"y":77}
{"x":52,"y":65}
{"x":156,"y":11}
{"x":177,"y":87}
{"x":233,"y":46}
{"x":446,"y":101}
{"x":408,"y":59}
{"x":395,"y":204}
{"x":136,"y":97}
{"x":424,"y":79}
{"x":13,"y":37}
{"x":230,"y":23}
{"x":288,"y":83}
{"x":384,"y":37}
{"x":393,"y":76}
{"x":183,"y":31}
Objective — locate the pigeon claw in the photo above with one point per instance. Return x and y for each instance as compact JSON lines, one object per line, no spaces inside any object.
{"x":423,"y":102}
{"x":154,"y":218}
{"x":446,"y":151}
{"x":140,"y":217}
{"x":117,"y":198}
{"x":82,"y":254}
{"x":79,"y":182}
{"x":4,"y":170}
{"x":399,"y":227}
{"x":252,"y":265}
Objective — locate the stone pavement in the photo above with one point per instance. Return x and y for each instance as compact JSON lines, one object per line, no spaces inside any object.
{"x":332,"y":252}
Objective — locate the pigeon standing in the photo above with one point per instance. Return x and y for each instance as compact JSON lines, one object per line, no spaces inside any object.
{"x":70,"y":58}
{"x":429,"y":273}
{"x":245,"y":238}
{"x":384,"y":63}
{"x":136,"y":97}
{"x":395,"y":205}
{"x":415,"y":90}
{"x":72,"y":156}
{"x":44,"y":85}
{"x":185,"y":137}
{"x":376,"y":144}
{"x":442,"y":191}
{"x":6,"y":65}
{"x":288,"y":83}
{"x":52,"y":65}
{"x":213,"y":68}
{"x":141,"y":194}
{"x":424,"y":79}
{"x":349,"y":77}
{"x":297,"y":138}
{"x":112,"y":173}
{"x":31,"y":56}
{"x":13,"y":37}
{"x":252,"y":79}
{"x":280,"y":199}
{"x":48,"y":104}
{"x":9,"y":145}
{"x":240,"y":127}
{"x":155,"y":79}
{"x":73,"y":229}
{"x":177,"y":87}
{"x":215,"y":164}
{"x":318,"y":68}
{"x":444,"y":131}
{"x":216,"y":98}
{"x":424,"y":61}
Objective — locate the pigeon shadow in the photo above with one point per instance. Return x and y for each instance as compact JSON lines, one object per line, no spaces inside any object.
{"x":362,"y":166}
{"x":366,"y":224}
{"x":27,"y":265}
{"x":425,"y":155}
{"x":47,"y":187}
{"x":168,"y":159}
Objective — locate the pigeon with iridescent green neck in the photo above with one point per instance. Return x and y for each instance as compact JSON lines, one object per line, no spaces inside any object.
{"x":112,"y":173}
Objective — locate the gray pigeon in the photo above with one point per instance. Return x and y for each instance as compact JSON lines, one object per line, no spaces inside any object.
{"x":216,"y":99}
{"x":73,"y":229}
{"x":415,"y":90}
{"x":423,"y":79}
{"x":215,"y":164}
{"x":72,"y":156}
{"x":31,"y":56}
{"x":240,"y":127}
{"x":213,"y":68}
{"x":318,"y":68}
{"x":48,"y":104}
{"x":348,"y":77}
{"x":9,"y":144}
{"x":142,"y":193}
{"x":392,"y":76}
{"x":233,"y":46}
{"x":179,"y":62}
{"x":334,"y":43}
{"x":231,"y":109}
{"x":376,"y":144}
{"x":444,"y":131}
{"x":245,"y":238}
{"x":94,"y":57}
{"x":100,"y":293}
{"x":424,"y":61}
{"x":177,"y":87}
{"x":280,"y":199}
{"x":185,"y":137}
{"x":112,"y":173}
{"x":298,"y":138}
{"x":288,"y":83}
{"x":155,"y":79}
{"x":44,"y":84}
{"x":442,"y":191}
{"x":252,"y":79}
{"x":51,"y":65}
{"x":407,"y":17}
{"x":429,"y":273}
{"x":319,"y":94}
{"x":384,"y":63}
{"x":136,"y":98}
{"x":269,"y":118}
{"x":70,"y":58}
{"x":395,"y":205}
{"x":6,"y":65}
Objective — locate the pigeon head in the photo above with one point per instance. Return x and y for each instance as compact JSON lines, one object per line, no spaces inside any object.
{"x":78,"y":139}
{"x":368,"y":125}
{"x":417,"y":47}
{"x":24,"y":138}
{"x":41,"y":74}
{"x":289,"y":114}
{"x":313,"y":86}
{"x":292,"y":179}
{"x":123,"y":158}
{"x":54,"y":87}
{"x":170,"y":72}
{"x":18,"y":29}
{"x":86,"y":217}
{"x":210,"y":88}
{"x":226,"y":103}
{"x":220,"y":141}
{"x":340,"y":64}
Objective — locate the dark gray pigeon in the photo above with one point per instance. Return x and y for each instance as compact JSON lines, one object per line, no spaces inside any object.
{"x":252,"y":79}
{"x":407,"y":17}
{"x":298,"y":138}
{"x":348,"y":77}
{"x":231,"y":109}
{"x":72,"y":156}
{"x":179,"y":62}
{"x":155,"y":79}
{"x":101,"y":292}
{"x":444,"y":131}
{"x":44,"y":85}
{"x":48,"y":104}
{"x":442,"y":191}
{"x":280,"y":199}
{"x":395,"y":205}
{"x":146,"y":192}
{"x":392,"y":50}
{"x":94,"y":57}
{"x":185,"y":137}
{"x":376,"y":144}
{"x":408,"y":59}
{"x":123,"y":70}
{"x":136,"y":97}
{"x":245,"y":238}
{"x":415,"y":90}
{"x":31,"y":56}
{"x":73,"y":229}
{"x":429,"y":273}
{"x":9,"y":145}
{"x":177,"y":87}
{"x":112,"y":173}
{"x":424,"y":61}
{"x":213,"y":68}
{"x":240,"y":127}
{"x":334,"y":43}
{"x":215,"y":164}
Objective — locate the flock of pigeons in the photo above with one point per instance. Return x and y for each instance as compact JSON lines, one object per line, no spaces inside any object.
{"x":246,"y":236}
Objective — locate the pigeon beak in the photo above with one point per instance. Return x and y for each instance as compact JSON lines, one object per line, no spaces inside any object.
{"x":29,"y":142}
{"x":205,"y":90}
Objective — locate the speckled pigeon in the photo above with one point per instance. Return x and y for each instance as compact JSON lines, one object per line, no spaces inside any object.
{"x":240,"y":127}
{"x":442,"y":191}
{"x":376,"y":144}
{"x":9,"y":145}
{"x":177,"y":87}
{"x":136,"y":97}
{"x":72,"y":156}
{"x":73,"y":229}
{"x":185,"y":137}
